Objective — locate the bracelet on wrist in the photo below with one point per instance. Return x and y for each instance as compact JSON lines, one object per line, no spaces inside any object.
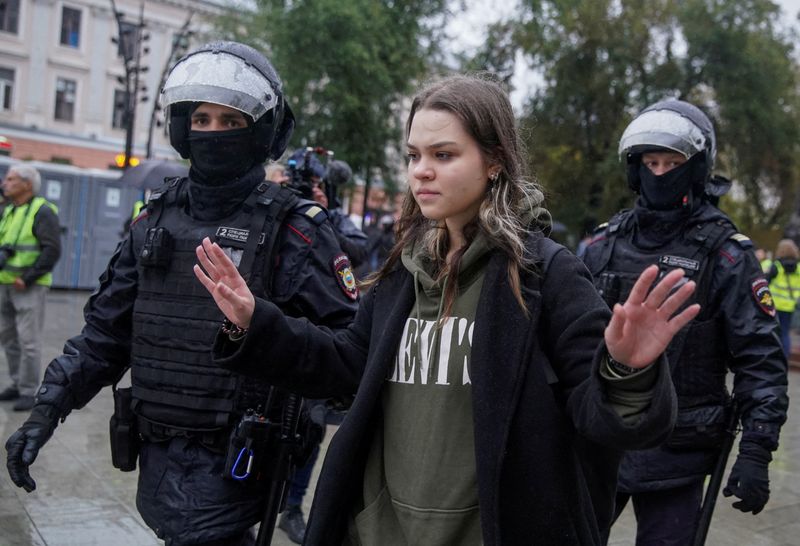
{"x":619,"y":368}
{"x":234,"y":331}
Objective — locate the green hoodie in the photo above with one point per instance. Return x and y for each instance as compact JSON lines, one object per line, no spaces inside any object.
{"x":420,"y":482}
{"x":420,"y":479}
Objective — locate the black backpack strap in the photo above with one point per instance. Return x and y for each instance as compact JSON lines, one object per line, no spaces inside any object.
{"x":707,"y":239}
{"x":272,"y":204}
{"x":544,"y":249}
{"x":611,"y":230}
{"x":161,"y":197}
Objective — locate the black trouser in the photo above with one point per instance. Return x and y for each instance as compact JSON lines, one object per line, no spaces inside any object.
{"x":247,"y":539}
{"x":663,"y":518}
{"x":184,"y":499}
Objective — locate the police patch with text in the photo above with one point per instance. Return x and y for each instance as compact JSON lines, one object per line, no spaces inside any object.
{"x":679,"y":261}
{"x":345,"y":276}
{"x":762,"y":295}
{"x":236,"y":235}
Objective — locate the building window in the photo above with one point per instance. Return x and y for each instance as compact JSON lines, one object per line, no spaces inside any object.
{"x":9,"y":15}
{"x":6,"y":87}
{"x":118,"y":114}
{"x":65,"y":99}
{"x":70,"y":26}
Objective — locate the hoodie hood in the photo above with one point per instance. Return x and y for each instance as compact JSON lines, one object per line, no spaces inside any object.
{"x":418,"y":262}
{"x":535,"y":216}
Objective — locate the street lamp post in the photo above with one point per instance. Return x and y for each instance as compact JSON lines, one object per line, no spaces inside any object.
{"x":179,"y":47}
{"x":131,"y":45}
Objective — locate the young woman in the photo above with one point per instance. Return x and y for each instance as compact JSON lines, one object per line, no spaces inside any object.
{"x":494,"y":395}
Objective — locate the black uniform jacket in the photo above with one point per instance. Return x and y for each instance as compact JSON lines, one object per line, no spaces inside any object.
{"x":547,"y":444}
{"x":305,"y":283}
{"x":748,"y":336}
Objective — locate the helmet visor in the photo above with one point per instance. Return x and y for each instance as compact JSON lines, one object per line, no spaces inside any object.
{"x":662,"y":129}
{"x":220,"y":78}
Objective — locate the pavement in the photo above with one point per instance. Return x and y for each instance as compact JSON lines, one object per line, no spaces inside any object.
{"x":81,"y":500}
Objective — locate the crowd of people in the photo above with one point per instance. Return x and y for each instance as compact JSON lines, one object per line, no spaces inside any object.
{"x":499,"y":387}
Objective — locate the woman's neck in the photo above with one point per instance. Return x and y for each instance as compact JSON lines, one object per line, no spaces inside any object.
{"x":456,"y":241}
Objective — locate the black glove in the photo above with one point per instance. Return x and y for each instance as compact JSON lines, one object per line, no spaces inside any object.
{"x":749,"y":479}
{"x":25,"y":443}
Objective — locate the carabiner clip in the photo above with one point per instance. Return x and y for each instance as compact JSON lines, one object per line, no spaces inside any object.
{"x":238,"y":460}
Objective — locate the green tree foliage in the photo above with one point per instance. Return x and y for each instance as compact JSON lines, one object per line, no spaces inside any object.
{"x":735,"y":49}
{"x":346,"y":67}
{"x":601,"y":61}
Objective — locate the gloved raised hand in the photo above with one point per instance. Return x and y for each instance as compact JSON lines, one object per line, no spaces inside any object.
{"x":749,"y":479}
{"x":25,"y":443}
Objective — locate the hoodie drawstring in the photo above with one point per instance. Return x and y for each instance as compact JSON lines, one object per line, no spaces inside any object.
{"x":436,"y":324}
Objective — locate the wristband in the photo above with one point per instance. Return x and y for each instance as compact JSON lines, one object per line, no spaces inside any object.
{"x":234,"y":331}
{"x":619,"y":368}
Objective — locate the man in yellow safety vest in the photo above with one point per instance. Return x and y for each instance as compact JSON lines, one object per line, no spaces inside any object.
{"x":30,"y":245}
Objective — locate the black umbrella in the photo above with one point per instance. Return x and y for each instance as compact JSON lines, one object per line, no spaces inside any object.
{"x":151,"y":173}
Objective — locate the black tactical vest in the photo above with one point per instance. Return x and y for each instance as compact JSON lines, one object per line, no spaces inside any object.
{"x":175,"y":319}
{"x":697,"y":353}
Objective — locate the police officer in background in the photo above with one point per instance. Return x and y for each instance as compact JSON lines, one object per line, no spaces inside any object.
{"x":324,"y":185}
{"x":227,"y":114}
{"x":670,"y":150}
{"x":310,"y":177}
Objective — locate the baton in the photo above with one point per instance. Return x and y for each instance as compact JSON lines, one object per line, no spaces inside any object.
{"x":712,"y":491}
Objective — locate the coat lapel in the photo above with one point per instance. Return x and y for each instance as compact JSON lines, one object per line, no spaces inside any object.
{"x":393,"y":303}
{"x":503,"y":340}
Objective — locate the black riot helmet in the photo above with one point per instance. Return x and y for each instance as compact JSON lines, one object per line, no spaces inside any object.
{"x":234,"y":75}
{"x":671,"y":125}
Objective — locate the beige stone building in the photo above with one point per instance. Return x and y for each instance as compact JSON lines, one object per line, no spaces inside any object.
{"x":62,"y":78}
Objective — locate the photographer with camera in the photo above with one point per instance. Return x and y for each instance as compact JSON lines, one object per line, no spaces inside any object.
{"x":314,"y":181}
{"x":30,"y":245}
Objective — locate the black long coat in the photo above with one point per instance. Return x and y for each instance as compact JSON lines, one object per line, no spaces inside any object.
{"x":547,"y":444}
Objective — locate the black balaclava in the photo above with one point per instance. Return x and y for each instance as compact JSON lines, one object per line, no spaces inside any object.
{"x":224,"y":170}
{"x":673,"y":189}
{"x":666,"y":202}
{"x":219,"y":157}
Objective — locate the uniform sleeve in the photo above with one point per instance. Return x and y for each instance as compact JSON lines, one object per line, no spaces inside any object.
{"x":352,"y":240}
{"x":100,"y":354}
{"x":47,"y":231}
{"x":757,"y":361}
{"x":296,"y":355}
{"x":314,"y":277}
{"x":306,"y":340}
{"x":574,"y":321}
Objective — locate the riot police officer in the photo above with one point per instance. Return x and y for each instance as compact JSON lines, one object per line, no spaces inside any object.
{"x":670,"y":150}
{"x":227,"y":115}
{"x":321,"y":184}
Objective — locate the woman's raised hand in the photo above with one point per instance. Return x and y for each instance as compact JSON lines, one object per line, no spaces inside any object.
{"x":226,"y":285}
{"x":642,"y":328}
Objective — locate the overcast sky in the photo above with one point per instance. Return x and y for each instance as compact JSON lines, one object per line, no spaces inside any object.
{"x":468,"y":30}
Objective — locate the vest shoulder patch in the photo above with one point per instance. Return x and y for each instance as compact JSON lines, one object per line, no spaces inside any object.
{"x":742,"y":239}
{"x":315,"y":213}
